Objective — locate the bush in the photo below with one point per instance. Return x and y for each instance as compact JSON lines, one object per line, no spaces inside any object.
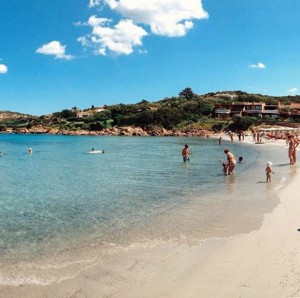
{"x":96,"y":126}
{"x":218,"y":126}
{"x":241,"y":123}
{"x":2,"y":127}
{"x":169,"y":117}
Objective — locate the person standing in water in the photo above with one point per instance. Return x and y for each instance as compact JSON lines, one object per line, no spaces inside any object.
{"x":231,"y":161}
{"x":185,"y":153}
{"x":269,"y":171}
{"x":292,"y":143}
{"x":296,"y":142}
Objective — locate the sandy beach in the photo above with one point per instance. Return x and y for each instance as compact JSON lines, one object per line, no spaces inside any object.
{"x":262,"y":263}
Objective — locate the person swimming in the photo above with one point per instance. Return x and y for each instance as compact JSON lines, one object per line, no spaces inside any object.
{"x":29,"y":151}
{"x":96,"y":151}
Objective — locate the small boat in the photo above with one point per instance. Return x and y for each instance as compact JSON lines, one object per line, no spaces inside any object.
{"x":96,"y":151}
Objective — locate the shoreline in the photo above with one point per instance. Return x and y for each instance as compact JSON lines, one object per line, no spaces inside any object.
{"x":262,"y":263}
{"x":113,"y":131}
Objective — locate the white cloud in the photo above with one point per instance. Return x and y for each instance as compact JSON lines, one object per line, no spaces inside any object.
{"x":94,"y":21}
{"x":54,"y":48}
{"x":3,"y":68}
{"x":77,"y":24}
{"x":293,"y":90}
{"x":102,"y":51}
{"x":171,"y":18}
{"x":258,"y":65}
{"x":94,"y":3}
{"x":143,"y":51}
{"x":120,"y":39}
{"x":165,"y":17}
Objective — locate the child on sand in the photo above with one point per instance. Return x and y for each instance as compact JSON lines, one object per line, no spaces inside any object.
{"x":269,"y":171}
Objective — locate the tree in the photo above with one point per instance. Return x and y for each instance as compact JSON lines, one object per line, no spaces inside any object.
{"x":241,"y":123}
{"x":169,"y":117}
{"x":207,"y":108}
{"x":187,"y":93}
{"x":271,"y":101}
{"x":145,"y":118}
{"x":65,"y":114}
{"x":96,"y":126}
{"x":102,"y":116}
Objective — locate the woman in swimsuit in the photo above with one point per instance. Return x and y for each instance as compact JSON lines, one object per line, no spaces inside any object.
{"x":293,"y":143}
{"x":231,"y":161}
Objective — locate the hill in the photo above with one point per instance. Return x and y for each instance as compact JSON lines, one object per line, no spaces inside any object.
{"x":13,"y":115}
{"x":187,"y":113}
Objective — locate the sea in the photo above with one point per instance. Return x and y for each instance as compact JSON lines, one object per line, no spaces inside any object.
{"x":63,"y":208}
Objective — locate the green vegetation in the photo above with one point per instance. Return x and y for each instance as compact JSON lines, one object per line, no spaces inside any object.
{"x":186,"y":111}
{"x":241,"y":123}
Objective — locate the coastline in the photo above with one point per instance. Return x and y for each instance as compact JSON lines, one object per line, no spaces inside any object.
{"x":113,"y":131}
{"x":262,"y":263}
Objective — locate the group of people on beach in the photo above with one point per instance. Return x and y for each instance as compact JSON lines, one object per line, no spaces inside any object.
{"x":228,"y":167}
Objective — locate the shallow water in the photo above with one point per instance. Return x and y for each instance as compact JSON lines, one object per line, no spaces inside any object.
{"x":62,"y":207}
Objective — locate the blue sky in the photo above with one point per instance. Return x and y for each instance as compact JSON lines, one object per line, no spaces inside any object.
{"x":57,"y":54}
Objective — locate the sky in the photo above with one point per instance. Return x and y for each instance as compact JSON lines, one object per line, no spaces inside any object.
{"x":59,"y":54}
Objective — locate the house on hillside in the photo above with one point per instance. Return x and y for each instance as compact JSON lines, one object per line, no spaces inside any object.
{"x":82,"y":114}
{"x":295,"y":110}
{"x":257,"y":109}
{"x":253,"y":109}
{"x":290,"y":110}
{"x":271,"y":110}
{"x":222,"y":112}
{"x":229,"y":109}
{"x":237,"y":108}
{"x":89,"y":112}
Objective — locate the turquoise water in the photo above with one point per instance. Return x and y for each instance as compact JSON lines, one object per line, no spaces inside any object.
{"x":61,"y":199}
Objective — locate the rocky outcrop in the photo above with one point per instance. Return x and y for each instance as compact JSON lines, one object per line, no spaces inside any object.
{"x":115,"y":131}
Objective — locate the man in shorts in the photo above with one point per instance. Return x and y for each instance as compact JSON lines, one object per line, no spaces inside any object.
{"x":185,"y":153}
